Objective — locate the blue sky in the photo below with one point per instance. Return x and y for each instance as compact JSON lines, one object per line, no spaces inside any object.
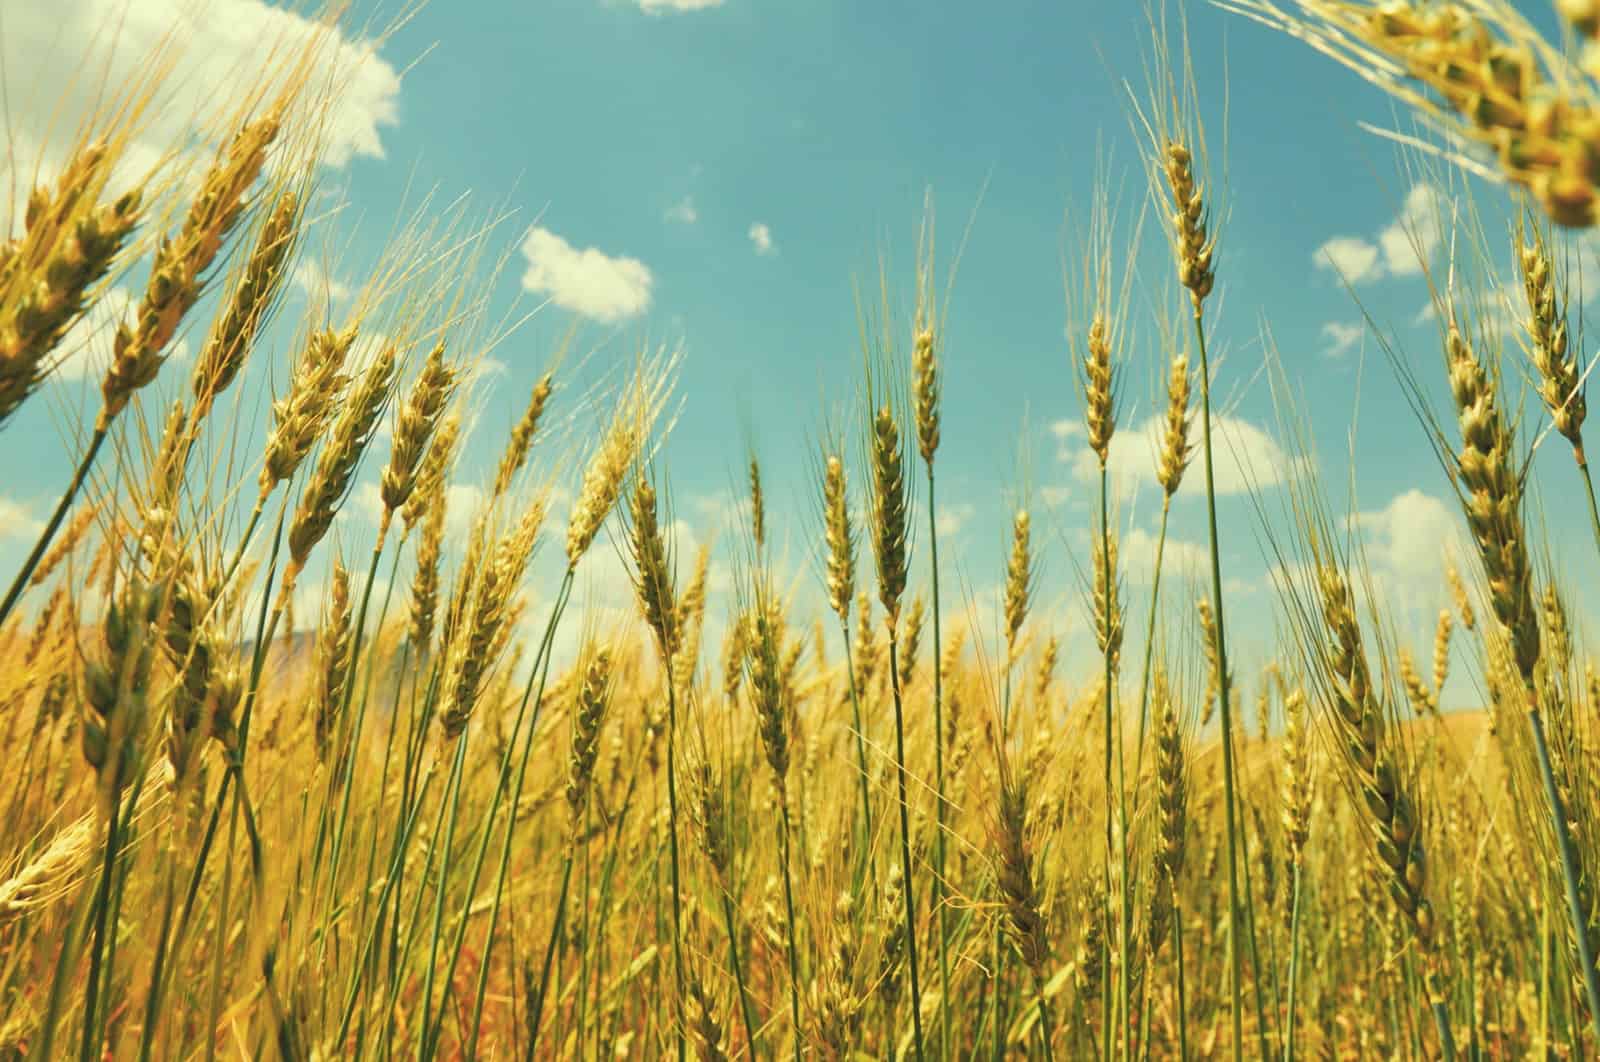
{"x":722,"y":173}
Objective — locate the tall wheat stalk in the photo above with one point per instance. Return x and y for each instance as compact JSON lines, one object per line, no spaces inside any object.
{"x":1195,"y":247}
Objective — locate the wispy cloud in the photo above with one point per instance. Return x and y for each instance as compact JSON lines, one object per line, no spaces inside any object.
{"x":1341,"y":336}
{"x":317,"y":283}
{"x":662,"y":7}
{"x":683,"y":212}
{"x":952,"y":518}
{"x":761,"y":238}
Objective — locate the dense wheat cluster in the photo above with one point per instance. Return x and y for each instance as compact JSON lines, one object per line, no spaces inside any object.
{"x":406,"y":824}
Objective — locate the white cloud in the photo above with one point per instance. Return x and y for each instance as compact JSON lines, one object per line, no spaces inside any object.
{"x":722,"y":512}
{"x":316,"y":283}
{"x":59,"y":58}
{"x":86,"y":348}
{"x":761,"y":238}
{"x":1412,"y":237}
{"x":1500,"y":307}
{"x":16,"y":521}
{"x":1341,"y":336}
{"x":1066,"y":430}
{"x":1245,"y":455}
{"x":1351,"y":257}
{"x":659,"y":7}
{"x":587,"y":281}
{"x":461,"y":503}
{"x":952,"y":518}
{"x":1400,"y":249}
{"x":1412,"y":539}
{"x":1136,"y":553}
{"x":1405,"y":547}
{"x":684,"y":212}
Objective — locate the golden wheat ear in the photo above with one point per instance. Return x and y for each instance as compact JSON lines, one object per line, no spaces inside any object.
{"x":177,"y":275}
{"x":233,"y":335}
{"x":48,"y":275}
{"x":522,"y":435}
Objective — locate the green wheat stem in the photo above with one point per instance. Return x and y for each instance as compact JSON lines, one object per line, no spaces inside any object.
{"x":794,"y":932}
{"x":940,"y":909}
{"x":672,"y":840}
{"x":738,"y":975}
{"x":343,"y":774}
{"x":152,"y":1010}
{"x":861,"y":740}
{"x":266,"y":630}
{"x":19,"y":585}
{"x":549,"y":953}
{"x":1588,"y":490}
{"x":537,"y":677}
{"x":1177,"y":962}
{"x":97,"y":944}
{"x":1294,"y":965}
{"x":1569,"y":862}
{"x":452,"y":788}
{"x":1109,"y":697}
{"x":1224,"y":682}
{"x":1150,"y":639}
{"x":1046,"y":1024}
{"x":390,"y":887}
{"x":1249,"y":906}
{"x":905,"y":844}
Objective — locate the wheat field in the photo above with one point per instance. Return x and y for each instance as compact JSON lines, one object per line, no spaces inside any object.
{"x":428,"y":805}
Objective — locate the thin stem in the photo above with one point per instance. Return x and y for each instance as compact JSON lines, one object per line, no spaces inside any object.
{"x":1177,"y":959}
{"x":20,"y":584}
{"x":905,"y":844}
{"x":1144,"y":715}
{"x":672,"y":839}
{"x":549,"y":953}
{"x":383,"y":787}
{"x":1046,"y":1025}
{"x":266,"y":629}
{"x":794,"y":943}
{"x":414,"y":921}
{"x":1588,"y":490}
{"x":1441,"y":1019}
{"x":1294,"y":964}
{"x":390,"y":883}
{"x":738,"y":975}
{"x":219,"y":946}
{"x":998,"y":1044}
{"x":941,"y":911}
{"x":452,"y":791}
{"x":343,"y":773}
{"x":1569,"y":865}
{"x":152,"y":1007}
{"x":102,"y":905}
{"x":1224,"y":681}
{"x":540,"y":672}
{"x":1149,"y":640}
{"x":1249,"y":907}
{"x":1109,"y":682}
{"x":861,"y":740}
